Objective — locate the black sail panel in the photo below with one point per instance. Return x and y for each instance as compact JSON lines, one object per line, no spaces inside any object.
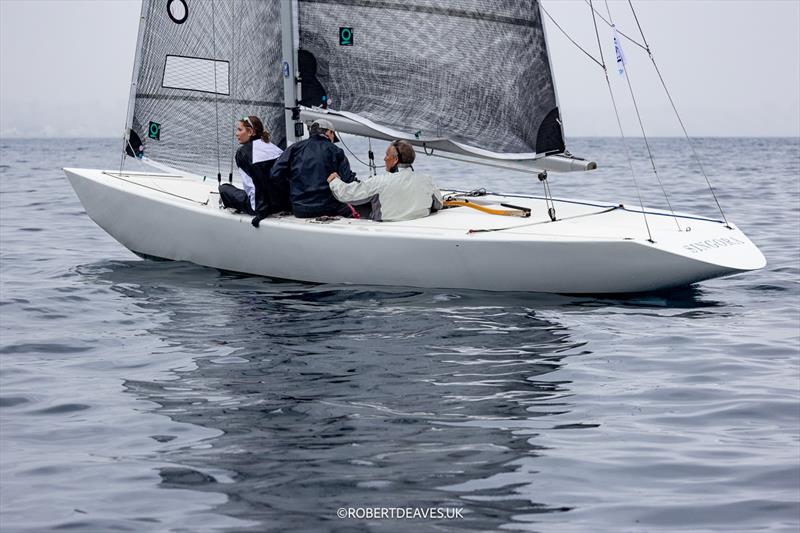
{"x":203,"y":65}
{"x":473,"y":71}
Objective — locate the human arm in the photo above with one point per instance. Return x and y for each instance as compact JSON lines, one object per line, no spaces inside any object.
{"x":343,"y":168}
{"x":355,"y":191}
{"x":282,"y":169}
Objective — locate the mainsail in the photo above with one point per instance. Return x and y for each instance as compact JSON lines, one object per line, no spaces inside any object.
{"x":471,"y":71}
{"x":465,"y":77}
{"x":200,"y":66}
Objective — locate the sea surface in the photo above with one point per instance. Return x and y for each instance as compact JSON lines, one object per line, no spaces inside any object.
{"x":162,"y":396}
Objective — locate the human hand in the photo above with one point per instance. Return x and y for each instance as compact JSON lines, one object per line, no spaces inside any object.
{"x":332,"y":177}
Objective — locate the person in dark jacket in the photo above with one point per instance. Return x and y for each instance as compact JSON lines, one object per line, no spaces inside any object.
{"x":306,"y":165}
{"x":254,"y":158}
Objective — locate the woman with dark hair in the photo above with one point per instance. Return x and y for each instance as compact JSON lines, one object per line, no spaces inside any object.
{"x":254,"y":158}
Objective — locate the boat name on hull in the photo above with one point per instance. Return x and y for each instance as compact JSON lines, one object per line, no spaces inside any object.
{"x":721,"y":242}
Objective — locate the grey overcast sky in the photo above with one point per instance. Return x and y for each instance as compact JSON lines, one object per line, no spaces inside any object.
{"x":733,"y":67}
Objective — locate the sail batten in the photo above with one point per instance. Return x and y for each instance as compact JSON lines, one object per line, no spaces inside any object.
{"x":431,"y":9}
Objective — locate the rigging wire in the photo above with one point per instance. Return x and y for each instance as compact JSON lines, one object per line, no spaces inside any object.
{"x":677,"y":115}
{"x":216,"y":94}
{"x":644,"y":135}
{"x":619,"y":124}
{"x":634,"y":41}
{"x":570,"y":38}
{"x":234,"y":64}
{"x":351,"y":152}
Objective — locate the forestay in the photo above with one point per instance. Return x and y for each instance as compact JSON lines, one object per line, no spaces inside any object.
{"x":475,"y":72}
{"x":200,"y":66}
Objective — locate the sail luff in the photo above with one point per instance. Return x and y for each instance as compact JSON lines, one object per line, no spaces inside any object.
{"x":137,"y":60}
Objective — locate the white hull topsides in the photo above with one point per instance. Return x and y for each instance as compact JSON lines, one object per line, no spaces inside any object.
{"x":592,"y":248}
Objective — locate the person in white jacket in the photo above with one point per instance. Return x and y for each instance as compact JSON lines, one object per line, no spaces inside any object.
{"x":400,"y":194}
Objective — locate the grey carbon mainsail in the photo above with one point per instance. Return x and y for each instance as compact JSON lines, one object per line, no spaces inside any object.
{"x":470,"y":78}
{"x":475,"y":72}
{"x":201,"y":66}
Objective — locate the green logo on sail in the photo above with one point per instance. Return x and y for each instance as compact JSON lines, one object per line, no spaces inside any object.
{"x":346,"y":36}
{"x":154,"y":131}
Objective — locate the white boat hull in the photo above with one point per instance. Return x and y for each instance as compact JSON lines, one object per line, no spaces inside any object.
{"x":594,"y":249}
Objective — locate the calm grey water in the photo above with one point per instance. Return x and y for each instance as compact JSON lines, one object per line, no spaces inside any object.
{"x":159,"y":396}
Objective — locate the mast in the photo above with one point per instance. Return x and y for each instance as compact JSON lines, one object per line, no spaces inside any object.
{"x":291,"y":83}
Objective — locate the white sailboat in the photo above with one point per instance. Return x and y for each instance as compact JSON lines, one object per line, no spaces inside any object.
{"x":193,"y":77}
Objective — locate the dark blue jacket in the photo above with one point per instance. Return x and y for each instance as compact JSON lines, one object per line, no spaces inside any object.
{"x":307,"y":165}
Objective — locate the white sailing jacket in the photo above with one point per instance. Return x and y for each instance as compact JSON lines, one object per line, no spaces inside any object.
{"x":403,"y":195}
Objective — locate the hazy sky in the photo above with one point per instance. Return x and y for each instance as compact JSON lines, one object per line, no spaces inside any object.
{"x":733,"y":67}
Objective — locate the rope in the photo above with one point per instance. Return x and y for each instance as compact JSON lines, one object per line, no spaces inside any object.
{"x":590,"y":56}
{"x":513,"y":212}
{"x":677,"y":115}
{"x":470,"y":194}
{"x":470,"y":232}
{"x":619,"y":124}
{"x":216,"y":94}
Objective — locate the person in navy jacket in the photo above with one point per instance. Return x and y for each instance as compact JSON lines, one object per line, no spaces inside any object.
{"x":306,"y":165}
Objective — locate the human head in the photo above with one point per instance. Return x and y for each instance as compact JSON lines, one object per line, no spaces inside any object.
{"x":399,"y":153}
{"x":323,"y":127}
{"x":250,"y":127}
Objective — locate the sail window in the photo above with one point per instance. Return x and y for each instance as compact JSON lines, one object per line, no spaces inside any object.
{"x":196,"y":74}
{"x":178,"y":11}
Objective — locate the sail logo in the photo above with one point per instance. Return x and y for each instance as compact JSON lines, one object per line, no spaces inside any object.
{"x":345,"y":36}
{"x":709,"y":244}
{"x":154,"y":131}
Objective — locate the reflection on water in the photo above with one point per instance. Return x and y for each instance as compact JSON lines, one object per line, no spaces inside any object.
{"x":332,"y":397}
{"x":141,"y":396}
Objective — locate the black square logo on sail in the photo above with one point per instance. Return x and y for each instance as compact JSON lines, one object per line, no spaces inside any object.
{"x":154,"y":131}
{"x":345,"y":36}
